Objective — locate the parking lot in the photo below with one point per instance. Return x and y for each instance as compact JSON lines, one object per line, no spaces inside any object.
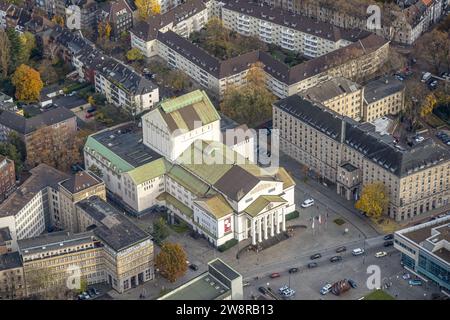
{"x":307,"y":283}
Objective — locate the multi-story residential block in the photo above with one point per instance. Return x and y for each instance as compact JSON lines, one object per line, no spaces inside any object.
{"x":12,"y":282}
{"x":425,"y":250}
{"x":288,"y":30}
{"x":113,"y":251}
{"x":80,"y":186}
{"x":220,"y":282}
{"x":403,"y":25}
{"x":62,"y":121}
{"x":340,"y":95}
{"x":355,"y":61}
{"x":184,"y":19}
{"x":27,"y":212}
{"x":7,"y":177}
{"x":383,"y":96}
{"x":124,"y":88}
{"x":214,"y":189}
{"x":352,"y":155}
{"x":118,"y":14}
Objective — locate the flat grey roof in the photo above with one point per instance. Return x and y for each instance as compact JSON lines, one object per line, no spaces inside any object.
{"x":349,"y":167}
{"x":52,"y":241}
{"x":126,"y":142}
{"x":204,"y":287}
{"x":112,"y":227}
{"x":5,"y":235}
{"x":10,"y":260}
{"x":224,"y":269}
{"x":381,"y":88}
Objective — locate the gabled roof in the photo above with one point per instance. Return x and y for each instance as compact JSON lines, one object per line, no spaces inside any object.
{"x":183,"y":112}
{"x":261,"y":202}
{"x":215,"y":205}
{"x":236,"y":183}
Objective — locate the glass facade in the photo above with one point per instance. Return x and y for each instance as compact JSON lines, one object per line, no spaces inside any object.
{"x":408,"y":261}
{"x":434,"y":269}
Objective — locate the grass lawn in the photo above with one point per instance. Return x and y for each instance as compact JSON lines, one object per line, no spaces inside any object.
{"x":339,"y":221}
{"x":378,"y":295}
{"x":386,"y":225}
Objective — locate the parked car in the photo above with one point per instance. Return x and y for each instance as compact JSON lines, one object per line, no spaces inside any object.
{"x":380,"y":254}
{"x":419,"y":139}
{"x":388,"y":243}
{"x":283,"y":288}
{"x":325,"y":289}
{"x":84,"y":296}
{"x":193,"y":267}
{"x":415,"y":282}
{"x":335,"y":259}
{"x":357,"y":251}
{"x":262,"y":290}
{"x":352,"y":283}
{"x":312,"y":265}
{"x":293,"y":270}
{"x":288,"y":293}
{"x":341,"y":249}
{"x":93,"y":292}
{"x":316,"y":256}
{"x":388,"y":237}
{"x":275,"y":275}
{"x":245,"y":284}
{"x":406,"y":276}
{"x":307,"y":203}
{"x":426,"y":76}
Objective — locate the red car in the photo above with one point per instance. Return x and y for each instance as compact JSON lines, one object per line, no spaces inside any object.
{"x":275,"y":275}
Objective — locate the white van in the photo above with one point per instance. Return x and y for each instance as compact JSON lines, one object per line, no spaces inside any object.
{"x":307,"y":203}
{"x":357,"y":251}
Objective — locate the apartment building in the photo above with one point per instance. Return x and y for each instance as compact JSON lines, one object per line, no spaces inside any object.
{"x":355,"y":61}
{"x":353,"y":154}
{"x":339,"y":94}
{"x":79,"y":186}
{"x":118,"y":14}
{"x":286,"y":29}
{"x":219,"y":282}
{"x":118,"y":82}
{"x":404,"y":25}
{"x":62,"y":122}
{"x":125,"y":88}
{"x":214,"y":189}
{"x":27,"y":212}
{"x":425,"y":251}
{"x":183,"y":19}
{"x":383,"y":96}
{"x":7,"y":177}
{"x":12,"y":282}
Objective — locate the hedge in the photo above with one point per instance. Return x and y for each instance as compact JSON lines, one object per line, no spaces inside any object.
{"x":292,"y":215}
{"x":227,"y":245}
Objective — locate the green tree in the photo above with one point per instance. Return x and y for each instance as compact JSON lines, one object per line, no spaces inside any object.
{"x":134,"y":54}
{"x":374,"y":199}
{"x":251,"y":103}
{"x":171,"y":261}
{"x":15,"y":49}
{"x":5,"y":54}
{"x":160,"y":230}
{"x":27,"y":44}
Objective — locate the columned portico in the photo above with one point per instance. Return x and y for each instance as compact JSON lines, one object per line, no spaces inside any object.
{"x":266,"y":227}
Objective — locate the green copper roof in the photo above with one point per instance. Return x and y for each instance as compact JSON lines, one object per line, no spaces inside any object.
{"x":216,"y":206}
{"x":189,"y":181}
{"x":170,"y":200}
{"x":259,"y":204}
{"x":149,"y":171}
{"x":115,"y":160}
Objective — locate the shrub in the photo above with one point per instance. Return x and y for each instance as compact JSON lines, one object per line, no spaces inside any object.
{"x":227,"y":245}
{"x":292,"y":215}
{"x":339,"y":221}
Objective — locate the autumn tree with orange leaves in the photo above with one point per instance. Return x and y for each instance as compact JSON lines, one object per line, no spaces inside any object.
{"x":171,"y":261}
{"x":28,"y":83}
